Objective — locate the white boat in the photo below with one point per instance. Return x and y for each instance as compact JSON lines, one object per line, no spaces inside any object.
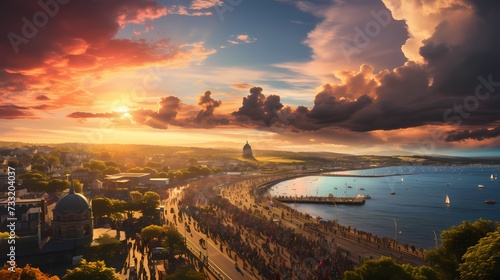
{"x":492,"y":177}
{"x":480,"y":186}
{"x":402,"y":179}
{"x":447,"y":200}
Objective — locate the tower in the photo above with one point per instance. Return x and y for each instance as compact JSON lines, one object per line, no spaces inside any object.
{"x":247,"y":152}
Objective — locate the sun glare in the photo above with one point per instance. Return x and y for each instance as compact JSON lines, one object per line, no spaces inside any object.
{"x":124,"y":111}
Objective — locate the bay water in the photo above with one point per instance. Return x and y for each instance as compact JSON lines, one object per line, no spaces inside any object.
{"x":416,"y":213}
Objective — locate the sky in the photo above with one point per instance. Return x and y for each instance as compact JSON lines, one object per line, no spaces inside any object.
{"x":385,"y":77}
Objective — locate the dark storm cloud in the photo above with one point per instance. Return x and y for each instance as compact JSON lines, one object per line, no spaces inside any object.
{"x":9,"y":111}
{"x":65,"y":39}
{"x":206,"y":116}
{"x":479,"y":134}
{"x":160,"y":118}
{"x":86,"y":115}
{"x":42,"y":97}
{"x":208,"y":105}
{"x":259,"y":108}
{"x":329,"y":109}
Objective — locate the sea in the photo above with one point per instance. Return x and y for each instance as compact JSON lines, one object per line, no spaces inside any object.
{"x":416,"y":212}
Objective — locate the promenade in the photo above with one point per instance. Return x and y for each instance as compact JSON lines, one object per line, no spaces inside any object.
{"x":356,"y":244}
{"x":247,"y":238}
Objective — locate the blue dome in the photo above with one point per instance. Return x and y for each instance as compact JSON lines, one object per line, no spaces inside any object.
{"x":72,"y":202}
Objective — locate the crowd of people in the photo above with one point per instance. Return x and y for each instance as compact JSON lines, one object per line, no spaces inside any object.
{"x":280,"y":253}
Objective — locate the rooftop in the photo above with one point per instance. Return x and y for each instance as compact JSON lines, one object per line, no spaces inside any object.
{"x":125,"y":175}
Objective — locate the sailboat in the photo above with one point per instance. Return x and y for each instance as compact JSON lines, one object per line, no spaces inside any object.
{"x":447,"y":200}
{"x":492,"y":177}
{"x":402,"y":180}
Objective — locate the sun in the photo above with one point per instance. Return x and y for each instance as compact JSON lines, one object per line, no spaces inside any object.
{"x":124,"y":111}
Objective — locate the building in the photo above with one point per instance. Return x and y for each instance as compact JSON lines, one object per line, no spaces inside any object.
{"x":247,"y":152}
{"x":126,"y":180}
{"x":159,"y":182}
{"x":30,"y":216}
{"x":72,"y":220}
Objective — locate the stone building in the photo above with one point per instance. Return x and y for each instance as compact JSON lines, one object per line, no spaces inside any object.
{"x":72,"y":219}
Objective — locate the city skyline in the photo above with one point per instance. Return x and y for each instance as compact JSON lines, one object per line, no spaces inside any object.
{"x":367,"y":77}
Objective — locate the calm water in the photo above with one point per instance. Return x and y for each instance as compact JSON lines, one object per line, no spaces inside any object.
{"x":418,"y":207}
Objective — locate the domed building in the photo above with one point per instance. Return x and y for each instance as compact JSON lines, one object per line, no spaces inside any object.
{"x":247,"y":152}
{"x":72,"y":219}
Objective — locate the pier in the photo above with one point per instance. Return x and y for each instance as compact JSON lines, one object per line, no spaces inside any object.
{"x":321,"y":200}
{"x":335,"y":174}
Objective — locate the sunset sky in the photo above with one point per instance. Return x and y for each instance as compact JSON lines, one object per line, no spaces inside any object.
{"x":360,"y":76}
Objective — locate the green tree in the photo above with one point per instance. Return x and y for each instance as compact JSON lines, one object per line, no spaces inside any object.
{"x":97,"y":165}
{"x":135,"y":170}
{"x":110,"y":170}
{"x":162,"y":174}
{"x":150,"y":201}
{"x":135,"y":197}
{"x":101,"y":206}
{"x":205,"y":171}
{"x":150,"y":170}
{"x":152,"y":231}
{"x":186,"y":273}
{"x":105,"y":239}
{"x":39,"y":167}
{"x":482,"y":261}
{"x":32,"y":176}
{"x":454,"y":243}
{"x":383,"y":268}
{"x":118,"y":205}
{"x":57,"y":185}
{"x":25,"y":273}
{"x":217,"y":170}
{"x":422,"y":272}
{"x":77,"y":185}
{"x":53,"y":160}
{"x":91,"y":270}
{"x":194,"y":170}
{"x":173,"y":242}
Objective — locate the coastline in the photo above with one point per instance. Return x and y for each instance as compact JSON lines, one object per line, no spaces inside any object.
{"x":419,"y":200}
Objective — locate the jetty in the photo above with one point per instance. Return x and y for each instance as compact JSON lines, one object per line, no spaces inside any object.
{"x":321,"y":200}
{"x":338,"y":174}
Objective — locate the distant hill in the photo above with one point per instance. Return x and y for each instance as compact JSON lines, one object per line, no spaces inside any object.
{"x":262,"y":156}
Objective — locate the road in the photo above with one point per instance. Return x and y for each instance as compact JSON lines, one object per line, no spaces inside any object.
{"x":217,"y":257}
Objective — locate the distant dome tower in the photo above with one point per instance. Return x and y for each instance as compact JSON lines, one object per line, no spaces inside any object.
{"x":247,"y":152}
{"x":72,"y":219}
